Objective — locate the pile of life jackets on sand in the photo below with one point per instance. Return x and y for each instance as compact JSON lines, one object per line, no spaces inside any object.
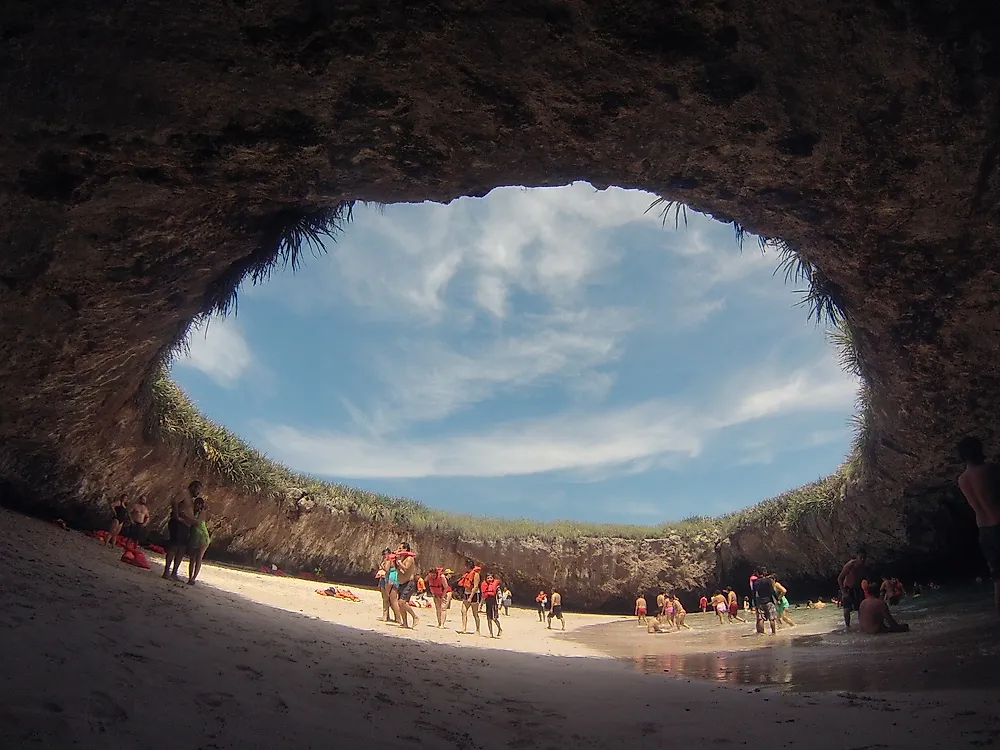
{"x":339,"y":593}
{"x":131,"y":552}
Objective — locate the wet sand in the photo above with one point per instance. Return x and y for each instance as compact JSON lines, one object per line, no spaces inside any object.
{"x":98,"y":654}
{"x":954,"y":643}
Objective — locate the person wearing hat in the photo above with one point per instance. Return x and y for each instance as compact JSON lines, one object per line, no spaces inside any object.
{"x":448,"y":572}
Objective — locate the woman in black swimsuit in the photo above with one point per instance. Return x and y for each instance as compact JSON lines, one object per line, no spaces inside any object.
{"x":120,"y":509}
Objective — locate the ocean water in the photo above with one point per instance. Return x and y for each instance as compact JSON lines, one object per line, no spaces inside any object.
{"x":953,"y":643}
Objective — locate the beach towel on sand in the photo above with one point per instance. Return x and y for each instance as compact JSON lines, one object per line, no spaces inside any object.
{"x":339,"y":593}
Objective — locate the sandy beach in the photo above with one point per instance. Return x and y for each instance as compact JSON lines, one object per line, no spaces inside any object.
{"x":101,"y":654}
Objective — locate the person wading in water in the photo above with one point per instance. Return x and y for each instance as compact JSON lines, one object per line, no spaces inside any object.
{"x":490,"y":589}
{"x":471,"y":595}
{"x":980,"y":483}
{"x":849,"y":583}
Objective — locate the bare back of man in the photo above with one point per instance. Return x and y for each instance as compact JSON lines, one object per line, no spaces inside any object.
{"x":874,"y":617}
{"x":980,"y":483}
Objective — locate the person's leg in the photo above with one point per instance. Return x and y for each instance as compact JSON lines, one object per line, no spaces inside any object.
{"x":489,"y":619}
{"x":178,"y":559}
{"x":116,"y":528}
{"x":465,"y":616}
{"x":562,"y":620}
{"x":475,"y":616}
{"x":170,"y":552}
{"x":407,"y":609}
{"x":194,"y":563}
{"x":549,"y":618}
{"x":394,"y":605}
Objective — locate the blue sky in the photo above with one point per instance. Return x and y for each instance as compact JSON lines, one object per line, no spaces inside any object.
{"x":545,"y":353}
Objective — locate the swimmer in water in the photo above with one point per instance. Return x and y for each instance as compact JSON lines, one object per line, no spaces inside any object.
{"x":980,"y":483}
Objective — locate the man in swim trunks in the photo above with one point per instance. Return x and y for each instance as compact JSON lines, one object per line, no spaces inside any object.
{"x":874,"y":617}
{"x":179,"y":528}
{"x":556,"y":610}
{"x":980,"y":483}
{"x":849,"y":583}
{"x":138,"y":521}
{"x":703,"y":603}
{"x":661,"y":604}
{"x":406,"y":581}
{"x":640,"y":608}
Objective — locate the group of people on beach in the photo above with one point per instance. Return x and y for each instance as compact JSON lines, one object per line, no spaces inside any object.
{"x":403,"y":588}
{"x":187,"y":529}
{"x":670,"y":613}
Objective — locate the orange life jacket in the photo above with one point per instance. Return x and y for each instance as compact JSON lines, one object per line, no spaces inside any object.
{"x":468,"y":579}
{"x":489,"y":588}
{"x":437,"y":582}
{"x":540,"y":598}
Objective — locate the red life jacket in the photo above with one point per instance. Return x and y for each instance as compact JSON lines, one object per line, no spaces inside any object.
{"x":468,"y":579}
{"x":489,"y":588}
{"x":438,"y":583}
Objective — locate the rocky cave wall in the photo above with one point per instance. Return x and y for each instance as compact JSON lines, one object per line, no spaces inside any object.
{"x":151,"y":153}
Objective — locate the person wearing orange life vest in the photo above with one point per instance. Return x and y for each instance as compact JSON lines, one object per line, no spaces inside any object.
{"x":437,"y":582}
{"x":490,"y":589}
{"x":542,"y":601}
{"x":468,"y":586}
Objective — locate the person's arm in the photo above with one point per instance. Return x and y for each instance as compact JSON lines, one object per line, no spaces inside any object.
{"x":843,"y":576}
{"x":779,"y":589}
{"x":889,"y":619}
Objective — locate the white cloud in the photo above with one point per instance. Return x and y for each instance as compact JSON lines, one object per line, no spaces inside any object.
{"x":653,"y":430}
{"x":427,"y":379}
{"x":218,"y":349}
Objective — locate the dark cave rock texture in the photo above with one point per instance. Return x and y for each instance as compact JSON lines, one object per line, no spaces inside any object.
{"x":147,"y":148}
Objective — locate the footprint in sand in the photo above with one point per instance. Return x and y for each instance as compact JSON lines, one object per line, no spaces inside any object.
{"x":103,"y":710}
{"x":255,"y":673}
{"x":213,"y":700}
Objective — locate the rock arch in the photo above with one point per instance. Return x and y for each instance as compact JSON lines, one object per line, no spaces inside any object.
{"x":152,"y":153}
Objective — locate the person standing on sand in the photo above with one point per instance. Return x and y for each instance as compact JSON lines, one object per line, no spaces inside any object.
{"x":179,"y":529}
{"x":406,"y":567}
{"x":469,"y":584}
{"x":120,"y":511}
{"x":437,"y":582}
{"x":661,"y":604}
{"x":640,"y":608}
{"x":138,"y":522}
{"x":386,"y":565}
{"x":542,"y":602}
{"x":703,"y":603}
{"x":507,"y":597}
{"x":854,"y":571}
{"x":556,"y":610}
{"x":199,"y":539}
{"x":980,"y":483}
{"x":490,"y":589}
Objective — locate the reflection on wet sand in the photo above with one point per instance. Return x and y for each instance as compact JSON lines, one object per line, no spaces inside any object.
{"x":954,"y":644}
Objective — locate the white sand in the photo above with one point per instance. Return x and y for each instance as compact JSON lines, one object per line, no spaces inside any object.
{"x":100,"y":654}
